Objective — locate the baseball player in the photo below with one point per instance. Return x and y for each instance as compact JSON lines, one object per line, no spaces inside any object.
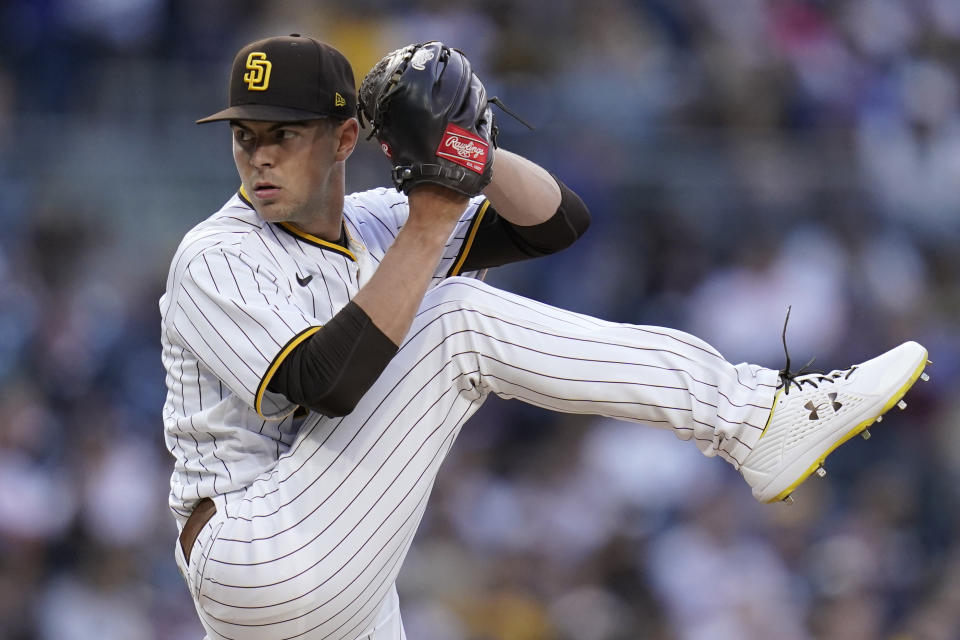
{"x":323,"y":350}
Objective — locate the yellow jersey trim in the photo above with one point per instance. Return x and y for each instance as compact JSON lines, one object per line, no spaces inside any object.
{"x":320,"y":242}
{"x":468,"y":243}
{"x":297,"y":339}
{"x":303,"y":235}
{"x":245,"y":198}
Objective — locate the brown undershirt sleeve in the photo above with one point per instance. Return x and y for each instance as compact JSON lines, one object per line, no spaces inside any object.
{"x":331,"y":370}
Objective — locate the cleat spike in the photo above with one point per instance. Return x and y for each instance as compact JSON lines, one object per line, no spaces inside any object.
{"x":879,"y":419}
{"x":865,"y":434}
{"x":924,"y":377}
{"x":788,"y":500}
{"x":902,"y":404}
{"x":821,"y":471}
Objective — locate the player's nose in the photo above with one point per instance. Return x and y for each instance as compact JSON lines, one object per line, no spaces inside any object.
{"x":263,"y":155}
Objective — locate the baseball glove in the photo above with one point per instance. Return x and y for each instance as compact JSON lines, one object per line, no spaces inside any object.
{"x":432,"y":117}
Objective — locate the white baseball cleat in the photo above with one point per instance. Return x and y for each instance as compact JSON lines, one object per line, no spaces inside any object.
{"x":814,"y":414}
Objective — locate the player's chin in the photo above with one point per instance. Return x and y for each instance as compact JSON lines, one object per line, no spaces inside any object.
{"x":271,"y":210}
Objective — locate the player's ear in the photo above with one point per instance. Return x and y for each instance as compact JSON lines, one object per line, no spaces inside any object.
{"x":346,"y":134}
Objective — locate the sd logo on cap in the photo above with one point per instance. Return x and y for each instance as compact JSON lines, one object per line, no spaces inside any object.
{"x":258,"y":76}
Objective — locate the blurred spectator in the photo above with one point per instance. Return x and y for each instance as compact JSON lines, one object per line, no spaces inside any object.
{"x":739,"y":157}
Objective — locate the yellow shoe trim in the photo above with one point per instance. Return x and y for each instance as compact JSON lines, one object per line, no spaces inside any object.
{"x":772,"y":409}
{"x":894,"y":399}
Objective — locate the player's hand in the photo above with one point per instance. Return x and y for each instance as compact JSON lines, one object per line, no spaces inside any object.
{"x":432,"y":117}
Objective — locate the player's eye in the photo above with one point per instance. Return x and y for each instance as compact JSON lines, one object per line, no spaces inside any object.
{"x":286,"y":134}
{"x":242,"y":135}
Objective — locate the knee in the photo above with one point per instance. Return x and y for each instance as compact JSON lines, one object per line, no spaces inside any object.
{"x":457,"y":290}
{"x":453,"y":304}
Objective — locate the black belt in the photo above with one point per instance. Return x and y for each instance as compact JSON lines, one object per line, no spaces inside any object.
{"x":201,"y":515}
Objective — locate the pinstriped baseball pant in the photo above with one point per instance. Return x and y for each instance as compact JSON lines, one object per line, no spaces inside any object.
{"x":312,"y":549}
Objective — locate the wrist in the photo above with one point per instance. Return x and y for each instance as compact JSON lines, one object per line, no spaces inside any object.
{"x":428,"y":231}
{"x":430,"y":201}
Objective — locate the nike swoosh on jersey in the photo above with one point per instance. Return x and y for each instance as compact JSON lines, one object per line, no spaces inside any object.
{"x":304,"y":281}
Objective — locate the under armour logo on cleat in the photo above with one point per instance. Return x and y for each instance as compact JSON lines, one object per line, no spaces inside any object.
{"x":304,"y":281}
{"x":833,"y":400}
{"x":815,"y":408}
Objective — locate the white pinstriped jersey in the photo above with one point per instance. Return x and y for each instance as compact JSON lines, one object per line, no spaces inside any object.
{"x":240,"y":295}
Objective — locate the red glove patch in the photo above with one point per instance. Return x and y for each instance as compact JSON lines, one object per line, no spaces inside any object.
{"x":464,"y":148}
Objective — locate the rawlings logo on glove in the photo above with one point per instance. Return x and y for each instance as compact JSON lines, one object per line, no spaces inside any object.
{"x":468,"y":150}
{"x":430,"y":113}
{"x":421,"y":58}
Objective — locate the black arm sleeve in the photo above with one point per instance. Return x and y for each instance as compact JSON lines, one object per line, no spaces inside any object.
{"x":498,"y":241}
{"x":331,"y":370}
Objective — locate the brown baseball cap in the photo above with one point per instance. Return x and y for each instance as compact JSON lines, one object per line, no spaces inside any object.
{"x":287,"y":79}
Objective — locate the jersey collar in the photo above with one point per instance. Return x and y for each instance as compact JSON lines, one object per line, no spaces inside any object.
{"x":306,"y":237}
{"x":319,"y":242}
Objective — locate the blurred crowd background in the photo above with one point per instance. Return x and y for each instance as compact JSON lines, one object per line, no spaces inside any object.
{"x":739,"y":157}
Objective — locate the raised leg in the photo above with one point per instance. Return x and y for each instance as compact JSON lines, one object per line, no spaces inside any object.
{"x":312,"y":549}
